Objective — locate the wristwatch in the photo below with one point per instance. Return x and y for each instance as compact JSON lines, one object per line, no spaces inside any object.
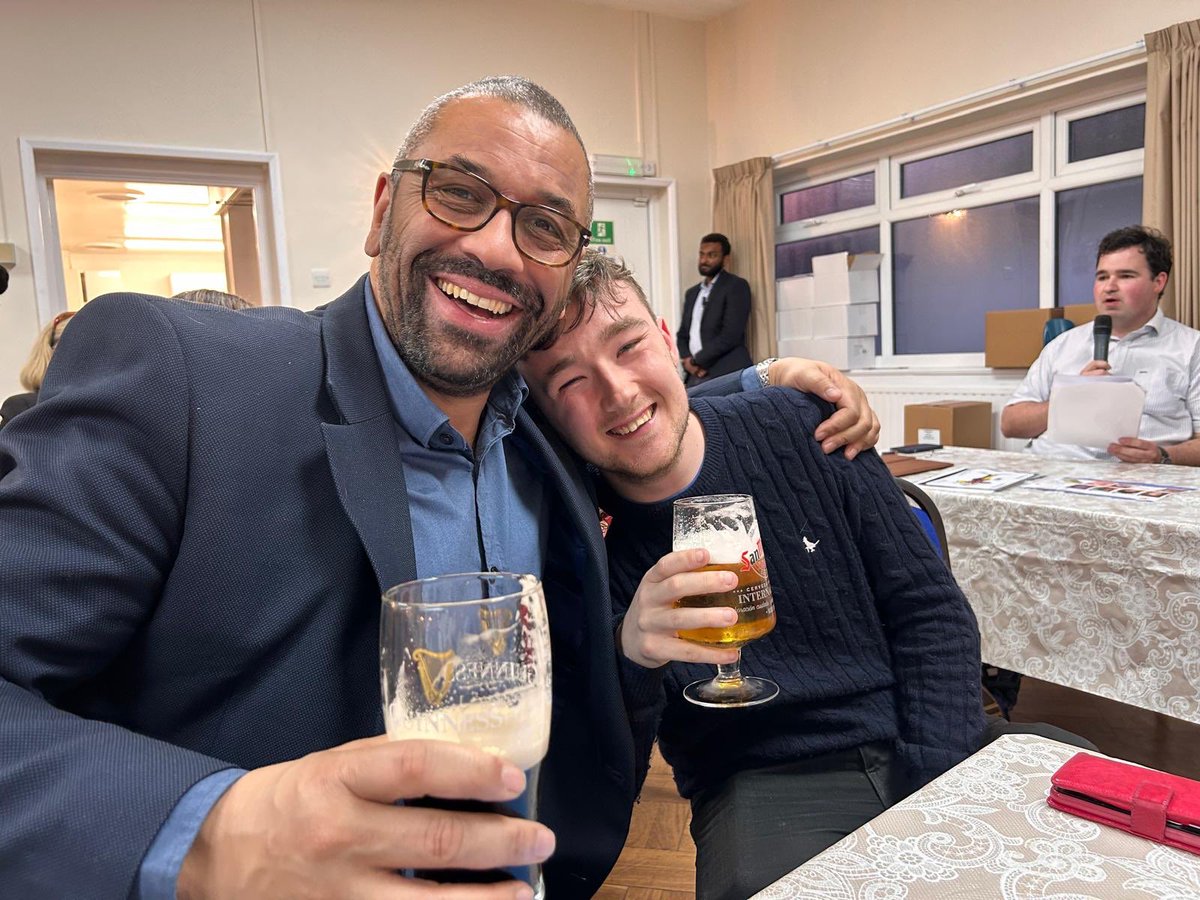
{"x":763,"y":371}
{"x":1164,"y":457}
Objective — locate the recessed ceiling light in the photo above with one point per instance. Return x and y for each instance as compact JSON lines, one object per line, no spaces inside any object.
{"x":118,"y":196}
{"x":102,"y":245}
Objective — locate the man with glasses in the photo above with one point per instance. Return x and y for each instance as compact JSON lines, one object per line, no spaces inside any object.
{"x":191,"y":581}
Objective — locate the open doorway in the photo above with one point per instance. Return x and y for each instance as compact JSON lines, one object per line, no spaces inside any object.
{"x":154,"y":220}
{"x":155,"y":238}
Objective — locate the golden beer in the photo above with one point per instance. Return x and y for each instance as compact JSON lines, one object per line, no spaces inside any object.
{"x":751,"y":598}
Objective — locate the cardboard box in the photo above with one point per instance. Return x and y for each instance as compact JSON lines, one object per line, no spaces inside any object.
{"x":844,"y":353}
{"x":844,"y":278}
{"x":1013,"y":338}
{"x":797,"y":292}
{"x":854,"y":320}
{"x":794,"y":323}
{"x":958,"y":423}
{"x":1081,"y":313}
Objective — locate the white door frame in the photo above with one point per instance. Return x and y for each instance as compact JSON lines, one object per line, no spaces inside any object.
{"x":43,"y":160}
{"x":664,"y":235}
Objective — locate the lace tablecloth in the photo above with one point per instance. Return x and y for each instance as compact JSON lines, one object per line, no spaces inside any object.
{"x":983,"y":831}
{"x":1093,"y":593}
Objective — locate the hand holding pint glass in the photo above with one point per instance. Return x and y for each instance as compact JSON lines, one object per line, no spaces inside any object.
{"x":725,"y":525}
{"x":466,"y":659}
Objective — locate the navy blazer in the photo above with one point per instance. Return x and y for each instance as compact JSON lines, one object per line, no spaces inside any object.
{"x":722,"y":327}
{"x":199,"y":516}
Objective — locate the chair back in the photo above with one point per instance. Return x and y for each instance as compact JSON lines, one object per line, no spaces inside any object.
{"x":927,"y":514}
{"x":1053,"y":328}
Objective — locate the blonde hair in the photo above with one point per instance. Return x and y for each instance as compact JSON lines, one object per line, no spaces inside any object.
{"x":34,"y":369}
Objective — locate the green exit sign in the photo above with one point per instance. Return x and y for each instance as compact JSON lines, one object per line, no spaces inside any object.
{"x":602,"y":232}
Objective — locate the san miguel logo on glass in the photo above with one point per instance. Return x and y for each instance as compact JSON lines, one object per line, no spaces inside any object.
{"x":751,"y":598}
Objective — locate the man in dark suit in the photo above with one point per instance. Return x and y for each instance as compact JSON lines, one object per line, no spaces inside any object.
{"x":712,"y":331}
{"x":201,"y":511}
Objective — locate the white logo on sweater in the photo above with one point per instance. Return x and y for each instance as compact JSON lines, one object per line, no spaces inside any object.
{"x":810,"y":546}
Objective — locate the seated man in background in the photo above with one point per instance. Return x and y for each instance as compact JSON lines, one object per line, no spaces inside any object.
{"x":1160,"y":354}
{"x":875,"y":649}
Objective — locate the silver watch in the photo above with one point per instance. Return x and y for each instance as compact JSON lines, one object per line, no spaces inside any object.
{"x":763,"y":371}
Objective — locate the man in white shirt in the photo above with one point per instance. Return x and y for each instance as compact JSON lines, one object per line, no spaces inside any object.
{"x":1160,"y":354}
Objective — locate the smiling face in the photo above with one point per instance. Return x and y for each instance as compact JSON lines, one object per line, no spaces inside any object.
{"x":1125,"y":290}
{"x":463,"y":307}
{"x":611,"y":388}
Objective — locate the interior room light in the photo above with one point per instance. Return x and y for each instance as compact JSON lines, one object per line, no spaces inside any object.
{"x":176,"y":245}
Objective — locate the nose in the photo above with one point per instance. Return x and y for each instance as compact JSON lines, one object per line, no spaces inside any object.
{"x":492,"y":245}
{"x":618,"y":392}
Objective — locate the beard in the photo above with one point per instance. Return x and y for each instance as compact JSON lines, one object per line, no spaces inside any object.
{"x":711,"y":271}
{"x":453,"y":361}
{"x":644,"y":469}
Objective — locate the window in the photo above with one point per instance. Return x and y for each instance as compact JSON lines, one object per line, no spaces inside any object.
{"x":970,"y":165}
{"x":795,"y":258}
{"x":1005,"y":218}
{"x":826,"y":199}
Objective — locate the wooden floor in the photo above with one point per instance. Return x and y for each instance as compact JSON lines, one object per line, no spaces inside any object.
{"x":659,"y":859}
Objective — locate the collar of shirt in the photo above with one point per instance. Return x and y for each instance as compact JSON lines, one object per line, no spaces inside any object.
{"x":420,"y":416}
{"x":1153,"y":328}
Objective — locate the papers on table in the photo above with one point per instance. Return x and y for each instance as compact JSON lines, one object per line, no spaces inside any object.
{"x":1094,"y":410}
{"x":976,"y":479}
{"x":1100,"y":487}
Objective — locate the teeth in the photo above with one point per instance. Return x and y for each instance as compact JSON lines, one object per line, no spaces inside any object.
{"x":495,"y":307}
{"x":636,"y":423}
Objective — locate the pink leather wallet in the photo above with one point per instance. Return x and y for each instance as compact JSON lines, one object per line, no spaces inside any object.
{"x":1145,"y":802}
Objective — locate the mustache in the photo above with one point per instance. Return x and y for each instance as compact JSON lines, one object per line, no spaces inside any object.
{"x":431,"y":261}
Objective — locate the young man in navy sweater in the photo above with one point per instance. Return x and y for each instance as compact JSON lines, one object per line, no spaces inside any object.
{"x":875,"y":649}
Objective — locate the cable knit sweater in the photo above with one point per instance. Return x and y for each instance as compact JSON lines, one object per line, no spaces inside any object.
{"x":873,"y":640}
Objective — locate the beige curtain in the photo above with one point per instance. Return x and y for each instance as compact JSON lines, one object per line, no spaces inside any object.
{"x":743,"y":204}
{"x":1171,"y":188}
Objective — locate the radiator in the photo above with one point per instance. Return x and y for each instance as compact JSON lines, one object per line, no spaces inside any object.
{"x":889,"y":401}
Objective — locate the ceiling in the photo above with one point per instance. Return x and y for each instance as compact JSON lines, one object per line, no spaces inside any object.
{"x":699,"y":10}
{"x":95,"y":216}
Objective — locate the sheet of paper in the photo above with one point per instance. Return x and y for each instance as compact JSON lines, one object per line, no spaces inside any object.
{"x":1094,"y":411}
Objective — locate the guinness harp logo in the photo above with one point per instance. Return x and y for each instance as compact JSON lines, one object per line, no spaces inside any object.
{"x":496,"y":626}
{"x":436,"y":671}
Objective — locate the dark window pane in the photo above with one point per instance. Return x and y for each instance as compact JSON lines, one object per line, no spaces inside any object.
{"x":836,"y":196}
{"x":1111,"y":132}
{"x":1082,"y":217}
{"x":796,"y":258}
{"x":983,"y":162}
{"x":950,"y":268}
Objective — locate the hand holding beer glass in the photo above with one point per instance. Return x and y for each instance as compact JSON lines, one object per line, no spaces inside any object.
{"x":466,"y":659}
{"x":725,"y":525}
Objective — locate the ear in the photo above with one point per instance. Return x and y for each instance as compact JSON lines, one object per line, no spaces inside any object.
{"x":1160,"y":283}
{"x":379,"y":213}
{"x":668,"y":338}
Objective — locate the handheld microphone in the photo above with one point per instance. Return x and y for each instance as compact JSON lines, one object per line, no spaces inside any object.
{"x":1101,"y":333}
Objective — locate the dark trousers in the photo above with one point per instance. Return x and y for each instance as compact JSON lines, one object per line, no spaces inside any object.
{"x":758,"y":825}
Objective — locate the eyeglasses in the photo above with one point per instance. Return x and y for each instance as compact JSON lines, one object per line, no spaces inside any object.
{"x":466,"y":202}
{"x":58,"y":320}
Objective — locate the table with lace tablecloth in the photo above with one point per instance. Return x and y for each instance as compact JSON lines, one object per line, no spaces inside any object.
{"x":1091,"y":592}
{"x":983,"y":830}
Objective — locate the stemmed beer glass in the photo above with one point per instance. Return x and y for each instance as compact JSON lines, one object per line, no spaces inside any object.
{"x":725,"y":525}
{"x":466,"y":659}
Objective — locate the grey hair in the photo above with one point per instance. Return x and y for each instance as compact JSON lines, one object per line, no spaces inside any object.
{"x":512,"y":89}
{"x":213,"y":298}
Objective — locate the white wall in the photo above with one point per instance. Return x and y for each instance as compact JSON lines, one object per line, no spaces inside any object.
{"x":340,"y":83}
{"x":785,"y":73}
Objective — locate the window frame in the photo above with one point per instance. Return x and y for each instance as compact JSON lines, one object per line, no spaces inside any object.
{"x":1049,"y":175}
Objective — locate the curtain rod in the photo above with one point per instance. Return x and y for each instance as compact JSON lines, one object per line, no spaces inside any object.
{"x":1013,"y":84}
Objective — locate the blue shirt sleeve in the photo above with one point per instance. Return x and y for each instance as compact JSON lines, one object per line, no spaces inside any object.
{"x":161,"y":864}
{"x":750,"y":379}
